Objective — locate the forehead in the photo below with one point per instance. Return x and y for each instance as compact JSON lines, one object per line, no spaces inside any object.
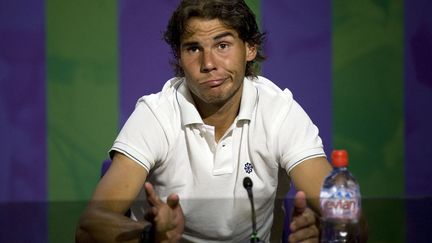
{"x":197,"y":28}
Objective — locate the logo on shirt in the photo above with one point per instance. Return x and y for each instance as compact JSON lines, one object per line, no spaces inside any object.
{"x":248,"y":167}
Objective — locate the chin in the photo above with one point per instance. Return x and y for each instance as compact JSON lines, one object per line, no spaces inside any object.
{"x":215,"y":100}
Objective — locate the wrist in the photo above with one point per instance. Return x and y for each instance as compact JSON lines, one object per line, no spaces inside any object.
{"x":148,"y":234}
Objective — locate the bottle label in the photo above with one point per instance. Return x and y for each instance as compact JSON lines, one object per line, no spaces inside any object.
{"x":342,"y":204}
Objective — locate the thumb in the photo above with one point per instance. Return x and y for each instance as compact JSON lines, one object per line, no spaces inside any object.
{"x":300,"y":204}
{"x":173,"y":200}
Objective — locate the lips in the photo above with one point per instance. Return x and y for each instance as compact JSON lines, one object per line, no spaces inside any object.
{"x":214,"y":82}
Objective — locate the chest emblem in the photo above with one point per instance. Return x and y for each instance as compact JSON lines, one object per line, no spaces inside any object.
{"x":248,"y":167}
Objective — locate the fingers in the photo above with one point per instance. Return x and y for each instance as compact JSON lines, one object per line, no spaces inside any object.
{"x":154,"y":200}
{"x":166,"y":216}
{"x":299,"y":203}
{"x":309,"y":234}
{"x":303,"y":228}
{"x":298,"y":219}
{"x":305,"y":220}
{"x":152,"y":197}
{"x":303,"y":223}
{"x":159,"y":207}
{"x":173,"y":200}
{"x":150,"y":214}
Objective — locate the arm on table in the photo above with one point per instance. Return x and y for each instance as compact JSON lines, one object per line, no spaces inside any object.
{"x":308,"y":177}
{"x":104,"y":220}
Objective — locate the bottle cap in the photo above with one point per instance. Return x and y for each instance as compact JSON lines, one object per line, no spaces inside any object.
{"x":339,"y":158}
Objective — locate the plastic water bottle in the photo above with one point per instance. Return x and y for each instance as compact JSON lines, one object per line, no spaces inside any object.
{"x":340,"y":202}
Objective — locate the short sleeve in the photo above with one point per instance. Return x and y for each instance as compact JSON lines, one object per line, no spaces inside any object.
{"x":298,"y":139}
{"x":142,"y":138}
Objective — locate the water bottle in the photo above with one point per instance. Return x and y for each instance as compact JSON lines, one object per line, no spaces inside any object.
{"x":340,"y":203}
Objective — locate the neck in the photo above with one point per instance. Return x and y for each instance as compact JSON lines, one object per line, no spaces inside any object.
{"x":221,"y":116}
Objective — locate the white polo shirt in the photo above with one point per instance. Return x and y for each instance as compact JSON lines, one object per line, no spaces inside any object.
{"x":166,"y":135}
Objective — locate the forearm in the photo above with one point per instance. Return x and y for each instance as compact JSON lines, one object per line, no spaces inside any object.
{"x":99,"y":225}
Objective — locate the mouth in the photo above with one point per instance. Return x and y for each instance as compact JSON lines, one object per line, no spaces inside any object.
{"x":214,"y":82}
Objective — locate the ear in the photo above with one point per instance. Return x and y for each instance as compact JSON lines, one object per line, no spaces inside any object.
{"x":251,"y":52}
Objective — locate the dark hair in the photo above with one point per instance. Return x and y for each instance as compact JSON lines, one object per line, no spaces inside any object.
{"x":234,"y":14}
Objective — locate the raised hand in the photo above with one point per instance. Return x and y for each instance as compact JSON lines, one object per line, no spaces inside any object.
{"x":167,"y":217}
{"x":303,"y":224}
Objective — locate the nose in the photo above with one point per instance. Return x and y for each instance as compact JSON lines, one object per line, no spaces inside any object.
{"x":207,"y":61}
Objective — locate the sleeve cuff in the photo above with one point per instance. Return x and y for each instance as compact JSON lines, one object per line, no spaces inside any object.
{"x":309,"y":154}
{"x":130,"y":153}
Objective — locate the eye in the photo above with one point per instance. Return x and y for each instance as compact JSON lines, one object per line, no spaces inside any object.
{"x":223,"y":46}
{"x":193,"y":49}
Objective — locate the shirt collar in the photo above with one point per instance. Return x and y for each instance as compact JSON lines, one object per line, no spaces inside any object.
{"x":190,"y":115}
{"x":249,"y":100}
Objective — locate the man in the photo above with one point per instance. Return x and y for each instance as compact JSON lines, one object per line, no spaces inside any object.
{"x":195,"y":141}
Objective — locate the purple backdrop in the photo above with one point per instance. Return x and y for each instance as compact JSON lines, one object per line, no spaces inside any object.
{"x":22,"y":124}
{"x":418,"y":96}
{"x":144,"y":58}
{"x":418,"y":118}
{"x":298,"y":51}
{"x":299,"y":55}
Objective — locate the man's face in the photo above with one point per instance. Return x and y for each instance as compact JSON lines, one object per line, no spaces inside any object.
{"x":214,"y":59}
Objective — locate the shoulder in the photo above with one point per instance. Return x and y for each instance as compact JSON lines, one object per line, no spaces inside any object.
{"x":163,"y":103}
{"x":276,"y":108}
{"x":268,"y":89}
{"x":163,"y":106}
{"x":167,"y":94}
{"x":272,"y":97}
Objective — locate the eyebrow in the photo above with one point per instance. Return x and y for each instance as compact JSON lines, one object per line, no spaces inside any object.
{"x":216,"y":38}
{"x":222,"y":35}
